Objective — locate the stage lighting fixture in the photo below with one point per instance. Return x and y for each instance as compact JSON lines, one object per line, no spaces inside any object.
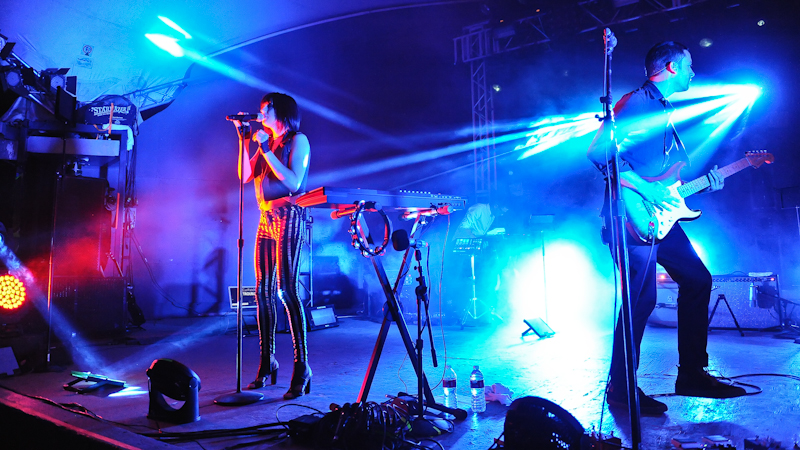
{"x":13,"y":78}
{"x":174,"y":380}
{"x":55,"y":78}
{"x":12,"y":293}
{"x":761,"y":23}
{"x":5,"y":47}
{"x":534,"y":422}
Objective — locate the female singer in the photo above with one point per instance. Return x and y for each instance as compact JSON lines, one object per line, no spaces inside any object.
{"x":280,"y":170}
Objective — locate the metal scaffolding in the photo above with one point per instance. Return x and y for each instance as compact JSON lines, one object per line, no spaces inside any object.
{"x":482,"y":40}
{"x":476,"y":44}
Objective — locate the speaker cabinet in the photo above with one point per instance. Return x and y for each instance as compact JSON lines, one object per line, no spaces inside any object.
{"x":82,"y":227}
{"x":89,"y":307}
{"x":752,"y":301}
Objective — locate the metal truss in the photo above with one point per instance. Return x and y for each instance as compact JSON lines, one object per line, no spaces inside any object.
{"x":482,"y":40}
{"x":602,"y":14}
{"x":157,"y":95}
{"x":485,"y":162}
{"x":476,"y":44}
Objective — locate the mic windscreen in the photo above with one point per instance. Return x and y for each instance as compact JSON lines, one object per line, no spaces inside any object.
{"x":400,"y":240}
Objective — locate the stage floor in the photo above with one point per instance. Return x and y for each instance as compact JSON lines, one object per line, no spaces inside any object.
{"x":568,"y":369}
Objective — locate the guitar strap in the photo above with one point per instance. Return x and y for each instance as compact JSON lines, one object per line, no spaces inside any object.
{"x":676,"y":139}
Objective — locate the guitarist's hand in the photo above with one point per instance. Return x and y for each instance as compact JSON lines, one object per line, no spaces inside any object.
{"x":659,"y":196}
{"x":655,"y":193}
{"x":715,"y":180}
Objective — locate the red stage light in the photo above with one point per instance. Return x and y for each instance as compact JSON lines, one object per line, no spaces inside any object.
{"x":12,"y":293}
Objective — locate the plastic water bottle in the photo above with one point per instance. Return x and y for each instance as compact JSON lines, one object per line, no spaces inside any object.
{"x":449,"y":385}
{"x":477,"y":390}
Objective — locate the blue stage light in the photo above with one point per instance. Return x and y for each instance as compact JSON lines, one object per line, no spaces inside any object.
{"x":175,"y":27}
{"x":167,"y":43}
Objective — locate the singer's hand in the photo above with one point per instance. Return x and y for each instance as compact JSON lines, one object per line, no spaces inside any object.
{"x":240,"y":127}
{"x":261,"y":136}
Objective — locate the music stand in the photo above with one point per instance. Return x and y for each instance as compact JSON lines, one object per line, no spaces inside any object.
{"x":540,"y":224}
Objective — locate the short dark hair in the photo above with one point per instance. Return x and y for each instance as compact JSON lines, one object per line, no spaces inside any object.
{"x":661,"y":54}
{"x":286,"y":109}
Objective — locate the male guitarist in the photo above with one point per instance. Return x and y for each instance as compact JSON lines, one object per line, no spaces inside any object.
{"x":649,"y":146}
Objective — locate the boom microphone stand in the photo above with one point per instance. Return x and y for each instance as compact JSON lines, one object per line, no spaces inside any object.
{"x":240,"y":398}
{"x":619,"y":242}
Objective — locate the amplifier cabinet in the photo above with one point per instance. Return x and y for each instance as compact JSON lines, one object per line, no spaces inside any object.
{"x":89,"y":307}
{"x":752,"y":300}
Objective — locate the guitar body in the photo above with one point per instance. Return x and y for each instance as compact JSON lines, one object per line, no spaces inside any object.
{"x":649,"y":223}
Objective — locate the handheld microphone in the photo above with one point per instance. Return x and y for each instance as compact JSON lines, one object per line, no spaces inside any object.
{"x":401,"y":241}
{"x":443,"y":210}
{"x":246,"y":117}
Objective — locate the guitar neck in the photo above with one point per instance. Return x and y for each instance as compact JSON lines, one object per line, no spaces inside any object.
{"x":701,"y":183}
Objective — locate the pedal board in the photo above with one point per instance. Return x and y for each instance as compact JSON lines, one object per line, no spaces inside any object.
{"x":707,"y":442}
{"x":604,"y":442}
{"x":759,"y":443}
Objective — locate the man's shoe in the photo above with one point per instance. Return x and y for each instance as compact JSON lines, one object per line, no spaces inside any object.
{"x":648,"y":406}
{"x":699,"y":383}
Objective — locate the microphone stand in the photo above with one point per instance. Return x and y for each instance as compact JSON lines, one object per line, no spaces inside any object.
{"x":420,"y":426}
{"x":620,"y":244}
{"x":240,"y":398}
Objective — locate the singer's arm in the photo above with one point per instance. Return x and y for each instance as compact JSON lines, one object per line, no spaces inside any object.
{"x":291,"y":176}
{"x":246,"y":164}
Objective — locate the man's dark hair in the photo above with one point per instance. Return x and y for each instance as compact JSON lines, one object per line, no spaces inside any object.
{"x":660,"y":55}
{"x":498,"y":197}
{"x":286,"y":109}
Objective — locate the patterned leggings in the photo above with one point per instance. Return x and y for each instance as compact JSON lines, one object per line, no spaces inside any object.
{"x":277,"y":257}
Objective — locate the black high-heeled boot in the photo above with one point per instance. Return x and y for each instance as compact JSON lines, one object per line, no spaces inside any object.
{"x":301,"y":381}
{"x":263,"y":373}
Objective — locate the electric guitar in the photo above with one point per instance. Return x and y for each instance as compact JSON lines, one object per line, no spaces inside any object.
{"x":649,"y":223}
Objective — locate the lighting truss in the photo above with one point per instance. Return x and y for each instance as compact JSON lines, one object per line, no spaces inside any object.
{"x":601,"y":15}
{"x":156,"y":96}
{"x":476,"y":44}
{"x":482,"y":40}
{"x":34,"y":92}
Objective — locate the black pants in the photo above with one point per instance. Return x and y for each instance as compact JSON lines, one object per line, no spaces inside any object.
{"x":277,"y":262}
{"x":676,"y":255}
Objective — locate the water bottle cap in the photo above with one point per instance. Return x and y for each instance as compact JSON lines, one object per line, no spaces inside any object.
{"x":475,"y":367}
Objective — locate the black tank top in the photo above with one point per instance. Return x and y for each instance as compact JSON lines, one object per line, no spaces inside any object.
{"x":266,"y":183}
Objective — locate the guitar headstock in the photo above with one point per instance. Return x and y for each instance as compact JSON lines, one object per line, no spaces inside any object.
{"x":758,"y":157}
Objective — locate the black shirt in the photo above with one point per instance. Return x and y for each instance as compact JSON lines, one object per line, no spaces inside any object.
{"x":647,"y":139}
{"x":266,"y":183}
